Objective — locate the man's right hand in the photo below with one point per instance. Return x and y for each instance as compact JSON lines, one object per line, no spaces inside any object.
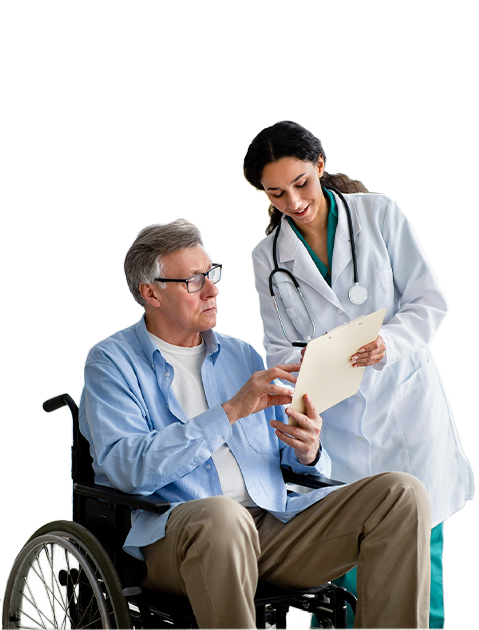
{"x":259,"y":392}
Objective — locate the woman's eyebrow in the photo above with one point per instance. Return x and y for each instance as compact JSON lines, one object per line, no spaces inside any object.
{"x":294,"y":180}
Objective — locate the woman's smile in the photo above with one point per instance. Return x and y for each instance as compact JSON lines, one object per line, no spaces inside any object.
{"x":301,"y":213}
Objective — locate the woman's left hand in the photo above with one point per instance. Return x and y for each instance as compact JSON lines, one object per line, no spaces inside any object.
{"x":370,"y":354}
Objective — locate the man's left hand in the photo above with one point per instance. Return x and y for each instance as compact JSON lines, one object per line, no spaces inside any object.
{"x":304,"y":436}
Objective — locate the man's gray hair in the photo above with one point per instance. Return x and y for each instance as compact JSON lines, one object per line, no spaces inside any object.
{"x":143,"y":260}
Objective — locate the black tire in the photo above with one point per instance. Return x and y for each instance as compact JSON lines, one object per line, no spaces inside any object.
{"x":63,"y":578}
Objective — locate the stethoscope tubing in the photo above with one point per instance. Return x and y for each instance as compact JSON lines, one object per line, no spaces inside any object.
{"x":351,"y":233}
{"x":278,"y":269}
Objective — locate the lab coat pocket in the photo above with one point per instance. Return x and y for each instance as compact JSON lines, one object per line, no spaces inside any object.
{"x":385,"y":276}
{"x":386,"y":289}
{"x":418,"y":404}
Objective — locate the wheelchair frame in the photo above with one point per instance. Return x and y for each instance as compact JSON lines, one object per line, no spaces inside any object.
{"x":93,"y":583}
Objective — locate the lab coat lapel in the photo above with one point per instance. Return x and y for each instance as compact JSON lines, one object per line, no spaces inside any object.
{"x":291,"y":249}
{"x":342,"y":255}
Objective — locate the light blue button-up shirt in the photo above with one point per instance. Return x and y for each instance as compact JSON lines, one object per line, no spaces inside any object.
{"x":142,"y":442}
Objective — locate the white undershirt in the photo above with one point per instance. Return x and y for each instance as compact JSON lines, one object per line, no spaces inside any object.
{"x":188,"y":389}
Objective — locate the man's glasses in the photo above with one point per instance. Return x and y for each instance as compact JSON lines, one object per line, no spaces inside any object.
{"x":197,"y":282}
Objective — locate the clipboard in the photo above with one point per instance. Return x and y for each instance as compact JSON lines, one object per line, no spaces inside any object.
{"x":326,"y":373}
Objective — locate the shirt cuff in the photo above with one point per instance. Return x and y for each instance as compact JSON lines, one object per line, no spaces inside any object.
{"x":318,"y":455}
{"x":316,"y":459}
{"x":215,"y":426}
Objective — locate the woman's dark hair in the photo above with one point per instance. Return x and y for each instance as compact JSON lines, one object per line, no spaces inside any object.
{"x":288,"y":139}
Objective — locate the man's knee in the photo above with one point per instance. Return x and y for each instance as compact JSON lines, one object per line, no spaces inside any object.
{"x":204,"y":539}
{"x":409,"y":490}
{"x":409,"y":484}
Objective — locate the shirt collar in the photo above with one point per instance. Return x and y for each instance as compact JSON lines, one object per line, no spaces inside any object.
{"x":150,"y":347}
{"x":212,"y":342}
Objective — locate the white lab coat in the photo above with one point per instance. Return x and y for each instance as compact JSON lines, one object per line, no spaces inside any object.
{"x":400,"y":420}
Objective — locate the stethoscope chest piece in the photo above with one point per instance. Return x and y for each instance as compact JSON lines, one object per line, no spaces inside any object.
{"x":358,"y":294}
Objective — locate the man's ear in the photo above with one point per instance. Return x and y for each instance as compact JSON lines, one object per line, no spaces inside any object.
{"x":150,"y":293}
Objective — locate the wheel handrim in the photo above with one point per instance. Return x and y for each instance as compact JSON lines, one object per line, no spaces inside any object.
{"x":40,"y":600}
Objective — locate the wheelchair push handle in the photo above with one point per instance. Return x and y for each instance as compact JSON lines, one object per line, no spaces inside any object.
{"x":59,"y":401}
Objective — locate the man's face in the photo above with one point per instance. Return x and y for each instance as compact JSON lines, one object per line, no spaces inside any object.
{"x":183,"y":315}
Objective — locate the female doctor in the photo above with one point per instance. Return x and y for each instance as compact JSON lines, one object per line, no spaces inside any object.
{"x":400,"y":419}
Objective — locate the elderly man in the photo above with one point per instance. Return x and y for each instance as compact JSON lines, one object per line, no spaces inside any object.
{"x":174,"y":409}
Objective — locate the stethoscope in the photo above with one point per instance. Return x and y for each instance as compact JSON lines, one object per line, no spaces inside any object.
{"x":357,"y":293}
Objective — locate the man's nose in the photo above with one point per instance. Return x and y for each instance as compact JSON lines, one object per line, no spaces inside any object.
{"x":209,"y":288}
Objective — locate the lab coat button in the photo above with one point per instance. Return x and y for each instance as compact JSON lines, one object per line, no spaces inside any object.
{"x":360,"y":439}
{"x":359,"y":399}
{"x":340,"y":311}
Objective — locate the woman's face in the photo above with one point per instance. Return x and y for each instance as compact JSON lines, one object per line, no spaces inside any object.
{"x":294,"y":188}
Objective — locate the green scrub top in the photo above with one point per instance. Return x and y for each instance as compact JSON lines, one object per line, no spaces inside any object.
{"x":332,"y":225}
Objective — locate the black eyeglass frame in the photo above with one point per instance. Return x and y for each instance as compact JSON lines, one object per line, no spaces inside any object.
{"x":205,"y":274}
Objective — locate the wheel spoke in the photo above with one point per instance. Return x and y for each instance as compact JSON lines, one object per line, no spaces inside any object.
{"x":50,"y":623}
{"x":54,"y":579}
{"x":33,"y":603}
{"x":50,"y":595}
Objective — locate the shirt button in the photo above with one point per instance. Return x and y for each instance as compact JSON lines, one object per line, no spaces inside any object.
{"x":208,"y":466}
{"x":340,"y":311}
{"x":359,"y":399}
{"x":167,"y":374}
{"x":360,"y":439}
{"x":220,"y":441}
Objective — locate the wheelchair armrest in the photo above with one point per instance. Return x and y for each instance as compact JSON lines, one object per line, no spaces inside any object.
{"x":104,"y":493}
{"x":308,"y":481}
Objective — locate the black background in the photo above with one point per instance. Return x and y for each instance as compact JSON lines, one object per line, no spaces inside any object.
{"x":71,"y":207}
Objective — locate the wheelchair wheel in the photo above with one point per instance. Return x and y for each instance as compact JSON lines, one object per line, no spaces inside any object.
{"x":63,"y":578}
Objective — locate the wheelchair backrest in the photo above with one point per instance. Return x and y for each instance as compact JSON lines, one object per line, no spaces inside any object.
{"x":82,"y":470}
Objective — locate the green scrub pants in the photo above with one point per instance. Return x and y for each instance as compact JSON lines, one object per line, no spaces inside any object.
{"x":436,"y":612}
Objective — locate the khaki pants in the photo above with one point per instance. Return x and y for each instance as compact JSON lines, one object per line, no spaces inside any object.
{"x":215,"y":550}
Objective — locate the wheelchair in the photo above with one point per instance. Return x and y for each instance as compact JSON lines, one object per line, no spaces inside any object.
{"x":75,"y":574}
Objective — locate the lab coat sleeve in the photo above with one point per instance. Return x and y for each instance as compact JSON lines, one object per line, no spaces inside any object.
{"x":278,"y":350}
{"x":134,"y":456}
{"x":422,"y":305}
